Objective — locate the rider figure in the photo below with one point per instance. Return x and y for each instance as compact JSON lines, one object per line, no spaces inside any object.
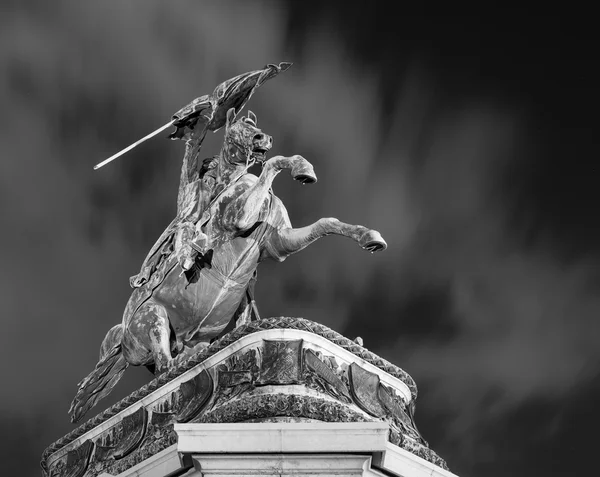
{"x":184,"y":235}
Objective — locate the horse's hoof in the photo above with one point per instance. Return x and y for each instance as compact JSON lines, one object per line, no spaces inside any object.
{"x":304,"y":173}
{"x":372,"y":241}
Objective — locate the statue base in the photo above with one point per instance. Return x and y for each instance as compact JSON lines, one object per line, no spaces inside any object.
{"x":274,"y":397}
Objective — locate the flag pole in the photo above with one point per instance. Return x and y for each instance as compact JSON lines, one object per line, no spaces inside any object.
{"x":130,"y":147}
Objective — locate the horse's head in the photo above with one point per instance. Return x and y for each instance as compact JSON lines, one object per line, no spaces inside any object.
{"x":244,"y":142}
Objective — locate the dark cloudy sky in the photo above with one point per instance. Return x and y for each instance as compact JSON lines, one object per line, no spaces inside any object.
{"x":470,"y":142}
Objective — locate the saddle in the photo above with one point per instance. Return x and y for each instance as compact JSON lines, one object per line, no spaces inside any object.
{"x":161,"y":259}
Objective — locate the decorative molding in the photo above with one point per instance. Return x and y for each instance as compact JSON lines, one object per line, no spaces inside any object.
{"x":262,"y":380}
{"x":281,"y":362}
{"x":157,"y":440}
{"x":264,"y":406}
{"x":364,"y":386}
{"x":325,"y":374}
{"x":192,"y":396}
{"x":123,"y":438}
{"x":74,"y":463}
{"x":231,"y":337}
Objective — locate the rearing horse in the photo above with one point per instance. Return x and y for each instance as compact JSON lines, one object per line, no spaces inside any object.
{"x":196,"y":278}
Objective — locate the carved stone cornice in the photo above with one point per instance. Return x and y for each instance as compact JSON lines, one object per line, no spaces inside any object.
{"x":268,"y":370}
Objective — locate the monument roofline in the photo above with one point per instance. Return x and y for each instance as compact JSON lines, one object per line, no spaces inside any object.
{"x":228,"y":339}
{"x":264,"y":371}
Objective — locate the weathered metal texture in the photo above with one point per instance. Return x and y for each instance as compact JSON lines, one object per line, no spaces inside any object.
{"x":230,"y":379}
{"x":277,"y":405}
{"x":327,"y":377}
{"x":199,"y":274}
{"x":281,"y":362}
{"x":233,"y":93}
{"x":260,"y":382}
{"x":233,"y":336}
{"x":364,"y":386}
{"x":158,"y":437}
{"x":185,"y":403}
{"x":124,"y":438}
{"x":74,"y":463}
{"x":162,"y":415}
{"x":235,"y":376}
{"x":193,"y":396}
{"x":402,"y":419}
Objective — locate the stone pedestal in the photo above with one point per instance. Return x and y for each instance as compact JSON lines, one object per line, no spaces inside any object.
{"x":282,"y":396}
{"x":284,"y":448}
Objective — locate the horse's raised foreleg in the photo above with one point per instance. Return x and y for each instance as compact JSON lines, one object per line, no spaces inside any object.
{"x":146,"y":337}
{"x":243,"y":212}
{"x":291,"y":240}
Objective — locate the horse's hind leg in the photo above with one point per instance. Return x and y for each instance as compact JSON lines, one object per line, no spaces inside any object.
{"x":147,"y":337}
{"x":290,"y":240}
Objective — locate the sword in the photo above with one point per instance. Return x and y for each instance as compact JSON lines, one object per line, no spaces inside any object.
{"x":130,"y":147}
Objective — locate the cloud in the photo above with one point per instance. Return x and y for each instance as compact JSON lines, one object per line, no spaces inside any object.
{"x":481,"y":323}
{"x":522,"y":321}
{"x":79,"y":83}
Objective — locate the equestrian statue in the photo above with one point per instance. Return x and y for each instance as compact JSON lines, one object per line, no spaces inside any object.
{"x":200,"y":274}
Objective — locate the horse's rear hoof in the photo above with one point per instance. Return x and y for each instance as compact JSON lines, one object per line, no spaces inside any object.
{"x":304,"y":174}
{"x":372,"y":241}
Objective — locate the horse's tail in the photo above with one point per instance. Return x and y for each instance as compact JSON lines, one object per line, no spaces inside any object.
{"x":100,"y":382}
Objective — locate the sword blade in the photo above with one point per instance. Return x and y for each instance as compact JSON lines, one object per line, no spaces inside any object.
{"x":130,"y":147}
